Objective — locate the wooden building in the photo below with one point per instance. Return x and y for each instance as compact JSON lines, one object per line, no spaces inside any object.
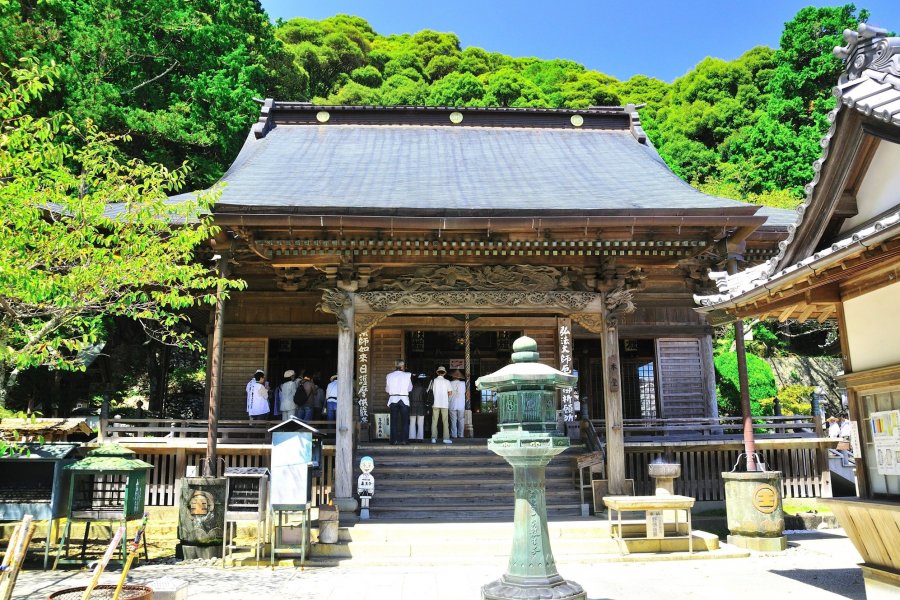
{"x":368,"y":234}
{"x":842,"y":261}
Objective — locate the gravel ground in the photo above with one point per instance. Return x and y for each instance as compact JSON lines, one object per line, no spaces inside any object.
{"x":816,"y":565}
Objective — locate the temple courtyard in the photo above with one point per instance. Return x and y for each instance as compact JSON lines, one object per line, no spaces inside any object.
{"x":817,"y":564}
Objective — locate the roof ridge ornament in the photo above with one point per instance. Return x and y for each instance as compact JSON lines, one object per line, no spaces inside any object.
{"x":266,"y":120}
{"x":868,"y":48}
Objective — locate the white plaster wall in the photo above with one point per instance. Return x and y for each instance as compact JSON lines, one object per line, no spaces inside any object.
{"x":880,"y":189}
{"x":873,"y":328}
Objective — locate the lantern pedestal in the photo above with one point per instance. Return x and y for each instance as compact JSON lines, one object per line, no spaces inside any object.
{"x":528,"y":439}
{"x":531,"y":572}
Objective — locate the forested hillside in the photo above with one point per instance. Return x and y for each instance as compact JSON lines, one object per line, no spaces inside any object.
{"x":181,"y":75}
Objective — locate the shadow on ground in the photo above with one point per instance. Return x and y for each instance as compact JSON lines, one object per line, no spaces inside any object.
{"x":844,"y":582}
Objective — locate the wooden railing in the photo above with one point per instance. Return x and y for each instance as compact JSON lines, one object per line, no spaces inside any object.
{"x":703,"y":447}
{"x":170,"y":462}
{"x":766,"y":427}
{"x":229,"y":432}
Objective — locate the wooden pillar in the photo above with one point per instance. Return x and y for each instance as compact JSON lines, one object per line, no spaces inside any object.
{"x":343,"y":459}
{"x":612,"y":400}
{"x":215,"y":375}
{"x":709,"y":376}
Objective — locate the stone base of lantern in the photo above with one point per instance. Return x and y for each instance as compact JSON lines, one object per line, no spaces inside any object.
{"x":526,"y":588}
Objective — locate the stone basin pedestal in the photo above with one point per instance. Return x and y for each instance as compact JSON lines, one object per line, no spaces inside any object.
{"x":665,"y":474}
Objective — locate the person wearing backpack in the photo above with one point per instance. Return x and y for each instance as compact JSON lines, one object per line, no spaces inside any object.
{"x":304,"y":408}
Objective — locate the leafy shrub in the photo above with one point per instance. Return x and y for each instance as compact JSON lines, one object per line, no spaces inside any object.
{"x":760,"y":379}
{"x":794,"y":399}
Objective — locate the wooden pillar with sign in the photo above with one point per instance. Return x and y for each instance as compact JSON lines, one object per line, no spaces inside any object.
{"x":567,"y":399}
{"x":340,"y":304}
{"x":612,"y":401}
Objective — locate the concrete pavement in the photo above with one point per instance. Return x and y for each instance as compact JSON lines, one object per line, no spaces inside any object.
{"x":817,"y":565}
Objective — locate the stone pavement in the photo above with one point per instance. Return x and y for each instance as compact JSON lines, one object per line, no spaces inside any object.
{"x":817,"y":565}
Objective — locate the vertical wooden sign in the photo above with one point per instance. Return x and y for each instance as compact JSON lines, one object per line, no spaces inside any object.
{"x":362,"y":376}
{"x":564,"y":327}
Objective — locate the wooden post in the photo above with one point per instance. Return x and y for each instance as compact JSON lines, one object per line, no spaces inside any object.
{"x":215,"y":375}
{"x":749,"y":442}
{"x":343,"y":459}
{"x":612,"y":401}
{"x":709,"y":376}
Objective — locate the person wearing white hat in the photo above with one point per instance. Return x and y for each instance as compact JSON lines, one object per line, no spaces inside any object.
{"x":441,"y":389}
{"x":288,"y":390}
{"x":457,"y":407}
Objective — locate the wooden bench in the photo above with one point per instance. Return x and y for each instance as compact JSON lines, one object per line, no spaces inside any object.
{"x":618,"y":504}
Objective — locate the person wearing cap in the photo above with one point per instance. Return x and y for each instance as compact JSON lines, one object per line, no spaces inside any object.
{"x":417,"y":408}
{"x":257,"y":397}
{"x":441,"y":389}
{"x":331,"y":393}
{"x":457,"y":407}
{"x":398,"y":385}
{"x":288,"y":390}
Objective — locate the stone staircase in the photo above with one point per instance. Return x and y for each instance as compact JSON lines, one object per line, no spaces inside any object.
{"x":462,"y":481}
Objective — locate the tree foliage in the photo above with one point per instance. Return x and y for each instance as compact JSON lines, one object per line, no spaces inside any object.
{"x":177,"y":76}
{"x":86,"y":235}
{"x":760,"y":379}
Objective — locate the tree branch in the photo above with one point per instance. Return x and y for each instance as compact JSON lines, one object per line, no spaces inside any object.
{"x":149,"y":81}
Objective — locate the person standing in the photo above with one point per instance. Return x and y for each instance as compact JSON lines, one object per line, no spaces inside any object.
{"x":457,"y":406}
{"x":417,"y":408}
{"x":398,"y":385}
{"x":288,"y":390}
{"x":304,"y":408}
{"x":258,"y":397}
{"x":441,"y":389}
{"x":331,"y":393}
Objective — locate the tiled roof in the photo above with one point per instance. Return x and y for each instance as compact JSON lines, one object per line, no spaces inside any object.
{"x":391,"y":168}
{"x":870,"y":84}
{"x":758,"y":280}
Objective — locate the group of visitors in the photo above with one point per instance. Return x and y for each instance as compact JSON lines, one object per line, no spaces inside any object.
{"x":839,"y":427}
{"x":409,"y":395}
{"x":298,"y":395}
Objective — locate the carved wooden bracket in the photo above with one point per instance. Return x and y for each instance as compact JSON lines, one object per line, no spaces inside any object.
{"x":367,"y":321}
{"x":337,"y":303}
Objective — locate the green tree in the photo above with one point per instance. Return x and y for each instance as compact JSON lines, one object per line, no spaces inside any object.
{"x":86,"y":236}
{"x":778,"y":150}
{"x":761,"y":383}
{"x":456,"y":89}
{"x":177,"y":76}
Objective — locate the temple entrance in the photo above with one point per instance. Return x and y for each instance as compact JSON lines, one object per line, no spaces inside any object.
{"x":317,"y":357}
{"x":488,"y":351}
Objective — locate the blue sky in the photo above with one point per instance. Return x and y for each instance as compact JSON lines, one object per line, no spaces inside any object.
{"x":659,"y":38}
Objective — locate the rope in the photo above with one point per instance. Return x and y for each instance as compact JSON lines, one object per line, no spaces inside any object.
{"x":468,"y":363}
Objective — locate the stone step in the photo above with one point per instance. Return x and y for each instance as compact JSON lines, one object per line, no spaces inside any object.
{"x":437,"y":495}
{"x":478,"y":543}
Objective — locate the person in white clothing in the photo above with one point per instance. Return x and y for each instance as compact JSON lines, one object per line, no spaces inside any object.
{"x":441,"y":389}
{"x":252,"y":383}
{"x":331,"y":397}
{"x":457,"y":406}
{"x":288,"y":390}
{"x":258,"y":398}
{"x":398,"y":385}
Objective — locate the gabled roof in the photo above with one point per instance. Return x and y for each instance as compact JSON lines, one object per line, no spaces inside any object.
{"x":295,"y":424}
{"x":443,"y":161}
{"x":870,"y":86}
